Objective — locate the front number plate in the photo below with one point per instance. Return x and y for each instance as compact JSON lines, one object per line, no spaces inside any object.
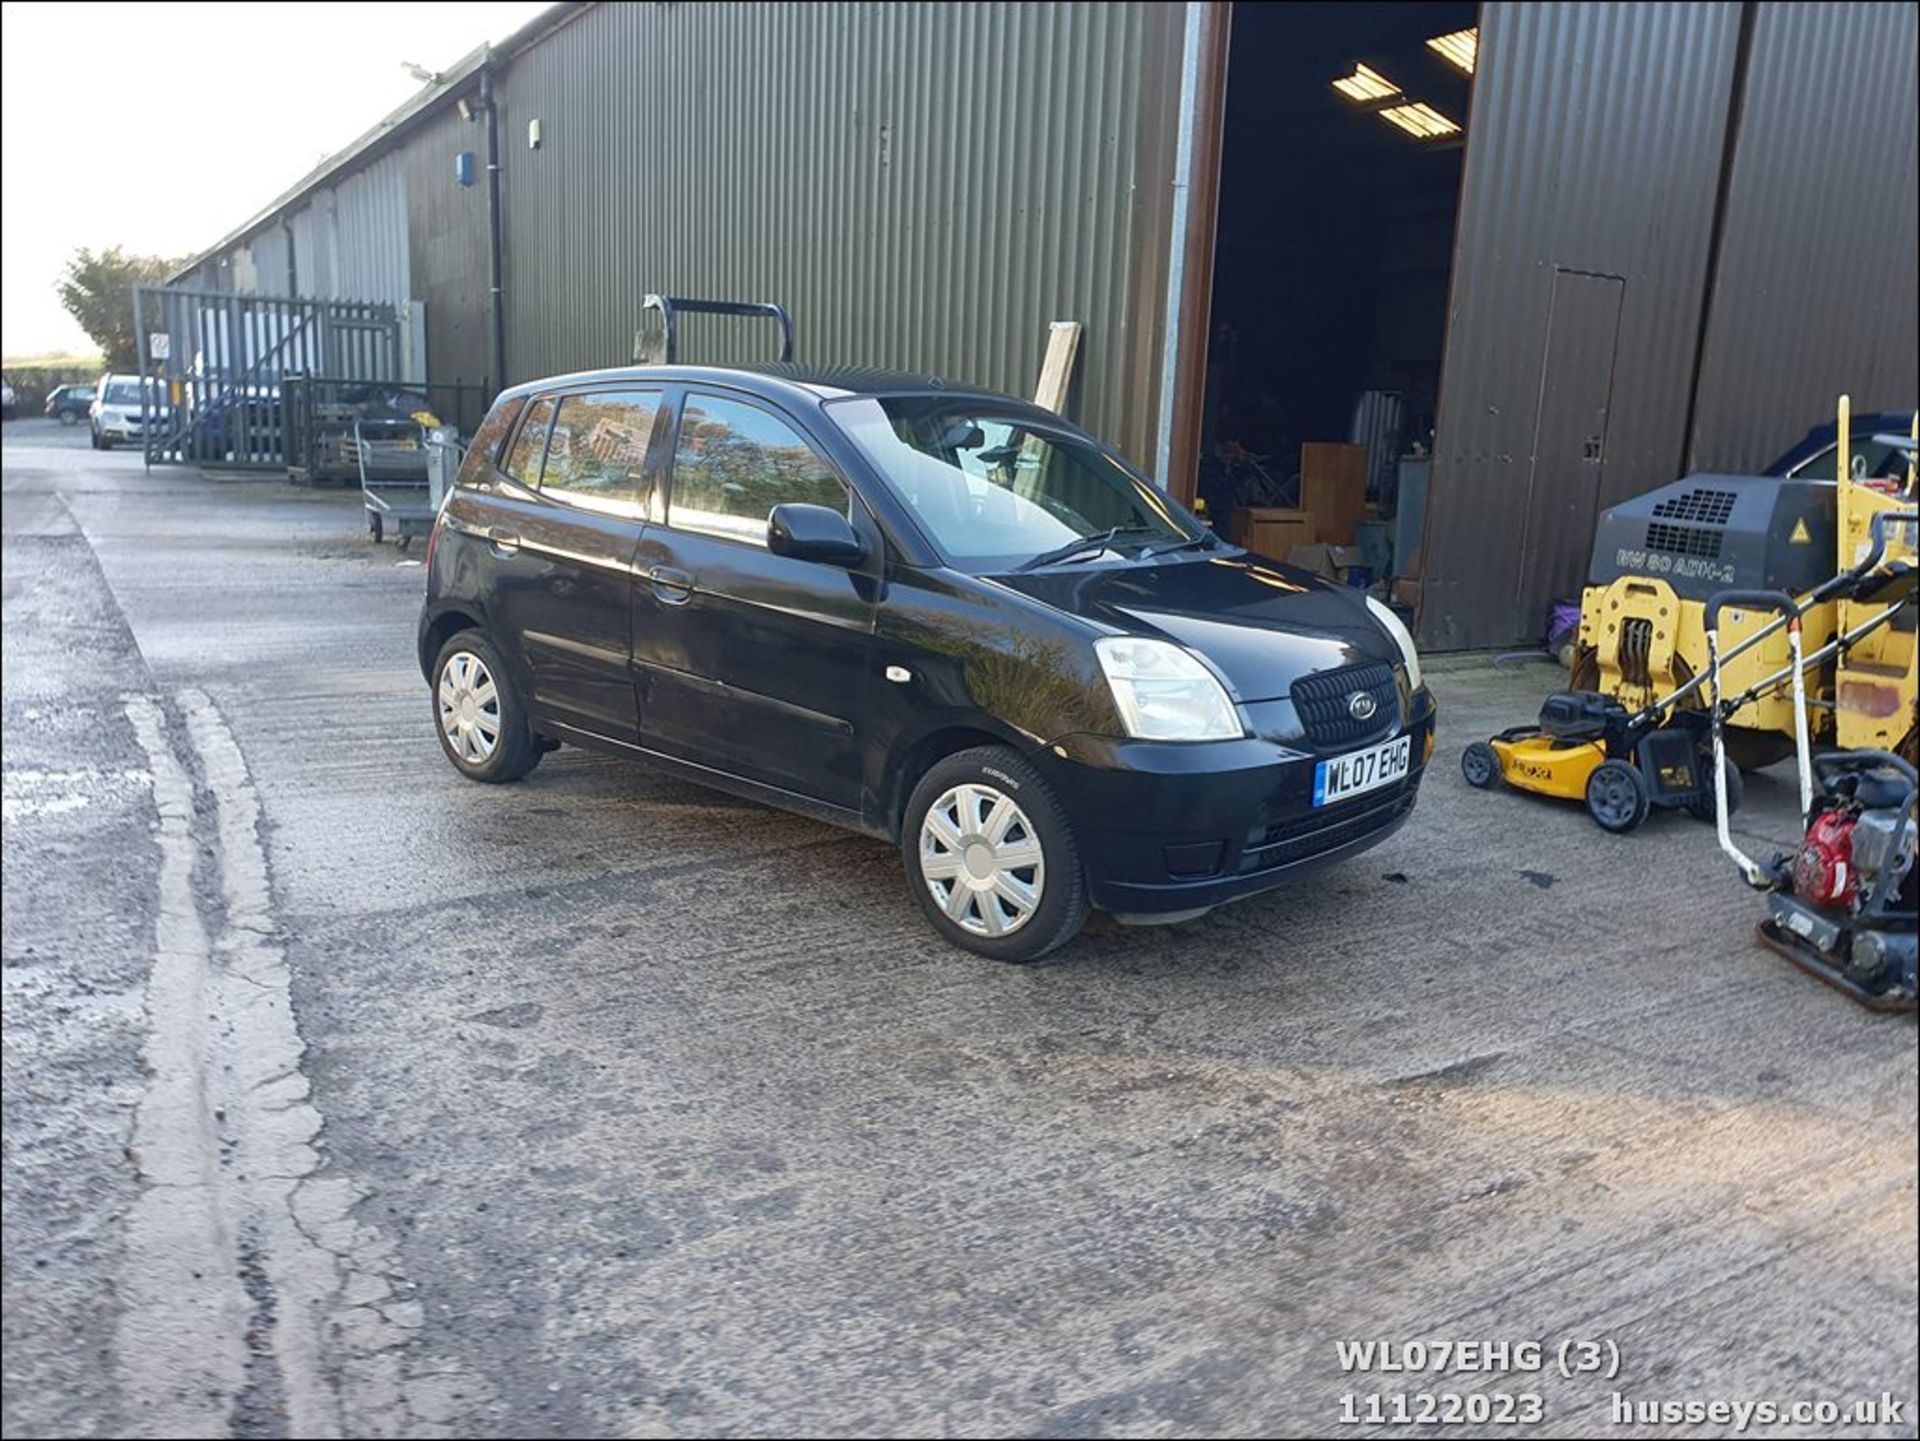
{"x":1360,"y":771}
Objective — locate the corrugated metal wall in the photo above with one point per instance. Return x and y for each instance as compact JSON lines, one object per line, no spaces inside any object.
{"x":447,"y":243}
{"x":312,"y":251}
{"x":1595,"y":148}
{"x":925,"y":185}
{"x":370,"y":233}
{"x":267,"y":274}
{"x":1818,"y":288}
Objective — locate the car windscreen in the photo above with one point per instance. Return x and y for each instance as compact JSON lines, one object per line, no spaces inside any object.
{"x":995,"y":489}
{"x":1872,"y":459}
{"x":123,"y":392}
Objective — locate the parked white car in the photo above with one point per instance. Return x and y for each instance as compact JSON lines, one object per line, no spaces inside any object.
{"x":115,"y":412}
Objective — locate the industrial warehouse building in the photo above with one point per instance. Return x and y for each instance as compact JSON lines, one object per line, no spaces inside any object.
{"x":1552,"y":253}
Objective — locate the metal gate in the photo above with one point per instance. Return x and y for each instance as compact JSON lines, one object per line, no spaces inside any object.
{"x":217,"y":365}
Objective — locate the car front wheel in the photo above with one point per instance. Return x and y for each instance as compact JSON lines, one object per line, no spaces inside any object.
{"x":991,"y":857}
{"x":477,"y":712}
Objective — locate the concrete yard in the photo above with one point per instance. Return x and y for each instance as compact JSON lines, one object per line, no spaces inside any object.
{"x":345,"y":1097}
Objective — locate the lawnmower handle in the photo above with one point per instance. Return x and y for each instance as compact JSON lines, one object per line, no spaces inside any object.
{"x":1751,"y":599}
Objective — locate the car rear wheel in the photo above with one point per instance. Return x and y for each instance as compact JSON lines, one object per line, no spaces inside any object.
{"x":991,"y":857}
{"x":477,"y":712}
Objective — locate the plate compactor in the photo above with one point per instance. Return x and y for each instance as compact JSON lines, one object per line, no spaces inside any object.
{"x":1636,"y":732}
{"x":1844,"y":906}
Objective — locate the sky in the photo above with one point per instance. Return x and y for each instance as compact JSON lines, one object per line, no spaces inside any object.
{"x":161,"y":127}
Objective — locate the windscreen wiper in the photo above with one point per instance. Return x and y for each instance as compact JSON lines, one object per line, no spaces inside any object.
{"x":1198,"y":542}
{"x":1095,"y":542}
{"x":1090,"y":544}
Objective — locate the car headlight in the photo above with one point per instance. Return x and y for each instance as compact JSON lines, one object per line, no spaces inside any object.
{"x":1164,"y":693}
{"x":1402,"y":637}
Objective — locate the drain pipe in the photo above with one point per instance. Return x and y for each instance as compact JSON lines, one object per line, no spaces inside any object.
{"x":496,"y":309}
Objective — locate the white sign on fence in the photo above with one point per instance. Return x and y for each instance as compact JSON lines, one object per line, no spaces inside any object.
{"x":159,"y":345}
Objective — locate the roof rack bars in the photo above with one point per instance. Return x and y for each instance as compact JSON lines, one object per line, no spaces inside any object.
{"x":662,"y":347}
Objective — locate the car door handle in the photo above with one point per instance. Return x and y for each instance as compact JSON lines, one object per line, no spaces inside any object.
{"x":675,"y":587}
{"x":504,"y":542}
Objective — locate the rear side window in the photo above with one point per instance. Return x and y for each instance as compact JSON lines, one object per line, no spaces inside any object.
{"x":523,"y":458}
{"x":599,"y":448}
{"x":485,"y":449}
{"x":735,"y":463}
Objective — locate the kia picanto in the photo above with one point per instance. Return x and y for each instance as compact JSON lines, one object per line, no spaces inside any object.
{"x":943,"y":617}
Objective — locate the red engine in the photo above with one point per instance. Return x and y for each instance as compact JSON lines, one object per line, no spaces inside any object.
{"x":1823,"y":872}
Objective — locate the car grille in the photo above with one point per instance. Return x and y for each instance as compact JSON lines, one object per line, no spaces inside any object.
{"x":1324,"y":702}
{"x":1304,"y":837}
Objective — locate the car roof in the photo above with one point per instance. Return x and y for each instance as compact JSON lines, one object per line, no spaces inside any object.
{"x":822,"y":382}
{"x":1821,"y":436}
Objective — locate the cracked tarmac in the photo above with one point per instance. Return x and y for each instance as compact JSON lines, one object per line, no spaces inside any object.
{"x":604,"y":1105}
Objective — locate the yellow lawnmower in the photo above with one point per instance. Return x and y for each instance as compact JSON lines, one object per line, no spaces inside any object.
{"x":1636,"y":731}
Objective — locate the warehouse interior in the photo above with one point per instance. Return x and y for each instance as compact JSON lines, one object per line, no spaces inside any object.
{"x":1341,"y":161}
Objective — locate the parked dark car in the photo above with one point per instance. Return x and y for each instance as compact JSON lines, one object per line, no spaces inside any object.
{"x":69,"y":404}
{"x":1812,"y":456}
{"x":933,"y":614}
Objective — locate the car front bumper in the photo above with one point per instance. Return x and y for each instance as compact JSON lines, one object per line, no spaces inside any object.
{"x":1170,"y":829}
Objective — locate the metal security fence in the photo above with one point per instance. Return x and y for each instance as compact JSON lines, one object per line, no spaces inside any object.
{"x":219,"y":362}
{"x":319,"y":415}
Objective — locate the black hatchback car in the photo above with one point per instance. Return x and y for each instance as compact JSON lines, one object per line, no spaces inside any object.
{"x":69,"y":404}
{"x":934,"y":614}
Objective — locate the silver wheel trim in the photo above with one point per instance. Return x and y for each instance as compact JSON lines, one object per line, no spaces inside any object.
{"x":981,"y":860}
{"x":469,"y":704}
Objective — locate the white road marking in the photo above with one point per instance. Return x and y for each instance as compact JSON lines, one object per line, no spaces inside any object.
{"x":181,"y":1351}
{"x":224,"y":1051}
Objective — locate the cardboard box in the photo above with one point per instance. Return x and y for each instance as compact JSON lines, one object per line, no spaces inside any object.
{"x":1405,"y":592}
{"x":1272,"y":531}
{"x":1333,"y":485}
{"x":1329,"y":561}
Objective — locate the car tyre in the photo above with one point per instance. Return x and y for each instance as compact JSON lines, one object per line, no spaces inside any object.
{"x":991,"y":857}
{"x":68,"y":418}
{"x":478,"y":713}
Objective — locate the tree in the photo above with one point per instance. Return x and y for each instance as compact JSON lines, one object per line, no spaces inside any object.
{"x":97,"y":290}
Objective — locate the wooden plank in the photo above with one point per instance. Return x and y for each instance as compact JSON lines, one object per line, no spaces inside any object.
{"x":1056,"y":370}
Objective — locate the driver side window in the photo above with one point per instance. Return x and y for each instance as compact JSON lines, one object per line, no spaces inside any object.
{"x":735,"y":462}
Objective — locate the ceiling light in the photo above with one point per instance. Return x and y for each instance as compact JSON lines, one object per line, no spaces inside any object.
{"x":1420,"y":120}
{"x":1460,"y":49}
{"x":1365,"y":84}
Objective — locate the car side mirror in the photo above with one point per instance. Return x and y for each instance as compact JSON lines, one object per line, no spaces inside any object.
{"x":813,"y":532}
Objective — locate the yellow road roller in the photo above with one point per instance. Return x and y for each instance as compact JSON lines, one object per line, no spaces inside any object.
{"x":1632,"y":732}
